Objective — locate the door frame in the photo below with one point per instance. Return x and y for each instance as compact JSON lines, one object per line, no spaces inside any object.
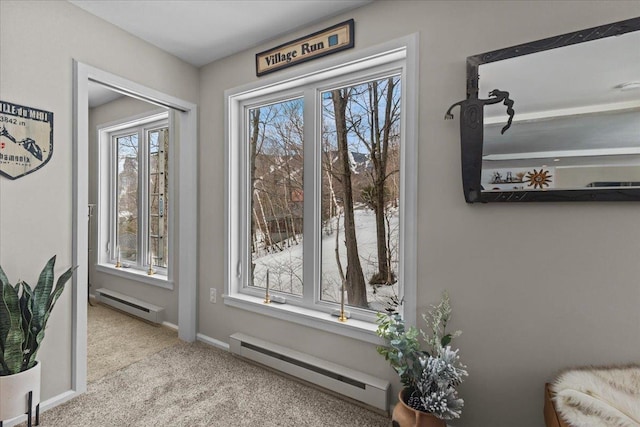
{"x":186,"y":202}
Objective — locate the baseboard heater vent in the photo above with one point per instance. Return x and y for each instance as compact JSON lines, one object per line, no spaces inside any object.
{"x":348,"y":382}
{"x":130,"y":305}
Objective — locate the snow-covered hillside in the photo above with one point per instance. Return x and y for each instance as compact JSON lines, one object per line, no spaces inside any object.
{"x":285,"y":268}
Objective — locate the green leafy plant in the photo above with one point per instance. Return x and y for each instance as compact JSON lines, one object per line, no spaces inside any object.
{"x":403,"y":351}
{"x":430,"y":376}
{"x":24,"y":312}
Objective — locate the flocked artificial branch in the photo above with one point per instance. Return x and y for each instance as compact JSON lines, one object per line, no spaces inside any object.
{"x":429,"y":377}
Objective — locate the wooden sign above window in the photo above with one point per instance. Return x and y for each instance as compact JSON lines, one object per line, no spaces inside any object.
{"x":325,"y":42}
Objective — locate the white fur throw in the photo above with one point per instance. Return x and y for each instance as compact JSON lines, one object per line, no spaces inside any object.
{"x":599,"y":397}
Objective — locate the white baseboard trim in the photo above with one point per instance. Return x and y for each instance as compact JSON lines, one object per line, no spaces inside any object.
{"x":45,"y":405}
{"x":58,"y":400}
{"x":170,"y":325}
{"x":213,"y":342}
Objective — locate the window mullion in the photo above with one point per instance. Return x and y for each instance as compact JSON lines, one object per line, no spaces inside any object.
{"x":171,"y":206}
{"x":311,"y":242}
{"x":242,"y":266}
{"x":113,"y":198}
{"x":143,"y":197}
{"x":162,"y":196}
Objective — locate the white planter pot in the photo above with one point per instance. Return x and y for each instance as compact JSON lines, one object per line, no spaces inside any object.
{"x":14,"y":391}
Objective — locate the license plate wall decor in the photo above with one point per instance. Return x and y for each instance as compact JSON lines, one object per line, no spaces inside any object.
{"x":325,"y":42}
{"x":26,"y":139}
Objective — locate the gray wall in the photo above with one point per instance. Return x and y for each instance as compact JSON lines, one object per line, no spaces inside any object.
{"x":535,"y":287}
{"x":38,"y":40}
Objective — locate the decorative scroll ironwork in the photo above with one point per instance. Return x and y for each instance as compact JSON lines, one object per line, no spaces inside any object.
{"x":471,"y":135}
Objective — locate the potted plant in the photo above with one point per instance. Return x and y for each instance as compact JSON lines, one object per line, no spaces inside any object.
{"x":24,"y":312}
{"x":429,"y":370}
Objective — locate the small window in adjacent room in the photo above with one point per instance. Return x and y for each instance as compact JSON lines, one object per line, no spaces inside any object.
{"x":134,"y":194}
{"x":321,"y":190}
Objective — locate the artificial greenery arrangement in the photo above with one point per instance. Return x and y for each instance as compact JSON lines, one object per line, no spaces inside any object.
{"x":24,"y":312}
{"x":430,"y":376}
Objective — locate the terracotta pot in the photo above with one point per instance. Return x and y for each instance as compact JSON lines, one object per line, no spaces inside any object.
{"x":406,"y":416}
{"x":14,"y":390}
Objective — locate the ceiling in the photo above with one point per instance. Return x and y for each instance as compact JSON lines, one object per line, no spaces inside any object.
{"x":202,"y":31}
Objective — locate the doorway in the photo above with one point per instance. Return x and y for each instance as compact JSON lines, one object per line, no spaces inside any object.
{"x":185,"y":205}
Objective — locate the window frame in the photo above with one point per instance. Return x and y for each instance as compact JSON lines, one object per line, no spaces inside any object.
{"x":392,"y":58}
{"x":108,"y":199}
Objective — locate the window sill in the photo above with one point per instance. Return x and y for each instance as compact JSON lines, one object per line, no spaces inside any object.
{"x":352,"y":328}
{"x":159,"y":280}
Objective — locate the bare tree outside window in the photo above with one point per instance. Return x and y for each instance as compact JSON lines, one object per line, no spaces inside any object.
{"x":142,"y":195}
{"x":337,"y":238}
{"x":158,"y":196}
{"x":360,"y":192}
{"x":127,"y":196}
{"x":276,"y":167}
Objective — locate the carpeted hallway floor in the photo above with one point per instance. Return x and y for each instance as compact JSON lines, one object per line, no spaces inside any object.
{"x":116,"y":340}
{"x":195,"y":384}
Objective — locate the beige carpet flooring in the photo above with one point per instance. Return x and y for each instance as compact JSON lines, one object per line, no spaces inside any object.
{"x":116,"y":340}
{"x":198,"y":385}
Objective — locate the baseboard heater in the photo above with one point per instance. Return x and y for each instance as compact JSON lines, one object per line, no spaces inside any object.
{"x":130,"y":305}
{"x":351,"y":383}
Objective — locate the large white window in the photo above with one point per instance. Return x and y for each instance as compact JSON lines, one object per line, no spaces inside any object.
{"x":135,"y":197}
{"x":321,"y":189}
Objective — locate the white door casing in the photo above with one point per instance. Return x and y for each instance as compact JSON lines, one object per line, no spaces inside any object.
{"x":186,"y":199}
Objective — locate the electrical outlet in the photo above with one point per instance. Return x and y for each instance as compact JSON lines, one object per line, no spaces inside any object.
{"x":212,"y":295}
